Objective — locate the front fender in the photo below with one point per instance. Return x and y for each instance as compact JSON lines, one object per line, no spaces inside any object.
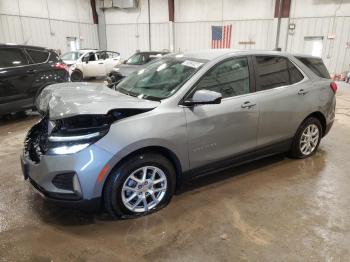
{"x":140,"y":145}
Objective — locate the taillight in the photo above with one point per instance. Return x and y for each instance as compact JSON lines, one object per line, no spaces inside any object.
{"x":334,"y":87}
{"x":61,"y":66}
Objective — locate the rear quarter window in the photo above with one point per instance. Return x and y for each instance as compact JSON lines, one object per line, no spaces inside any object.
{"x":54,"y":57}
{"x":316,"y":65}
{"x":38,"y":56}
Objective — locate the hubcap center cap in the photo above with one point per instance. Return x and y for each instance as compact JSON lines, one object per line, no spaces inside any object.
{"x":145,"y":186}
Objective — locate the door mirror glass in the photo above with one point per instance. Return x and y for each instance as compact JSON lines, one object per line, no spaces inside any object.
{"x":204,"y":97}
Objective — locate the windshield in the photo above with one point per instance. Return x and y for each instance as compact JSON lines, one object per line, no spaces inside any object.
{"x":161,"y":78}
{"x":71,"y":56}
{"x":136,"y":59}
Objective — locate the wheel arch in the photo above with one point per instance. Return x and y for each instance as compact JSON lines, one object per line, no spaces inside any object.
{"x":170,"y":155}
{"x":320,"y":116}
{"x":78,"y":70}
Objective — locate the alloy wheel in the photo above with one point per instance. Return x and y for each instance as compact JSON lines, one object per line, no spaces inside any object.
{"x":309,"y":139}
{"x":144,"y":188}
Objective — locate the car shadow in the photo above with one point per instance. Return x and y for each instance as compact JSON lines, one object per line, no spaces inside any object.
{"x":213,"y":178}
{"x":55,"y":214}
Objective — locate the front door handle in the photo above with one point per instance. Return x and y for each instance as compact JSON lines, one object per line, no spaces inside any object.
{"x":100,"y":63}
{"x":302,"y":92}
{"x":248,"y":104}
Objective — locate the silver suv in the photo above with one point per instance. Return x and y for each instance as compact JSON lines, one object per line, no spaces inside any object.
{"x":184,"y":115}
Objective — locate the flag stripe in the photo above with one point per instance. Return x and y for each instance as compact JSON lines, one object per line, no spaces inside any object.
{"x":229,"y":36}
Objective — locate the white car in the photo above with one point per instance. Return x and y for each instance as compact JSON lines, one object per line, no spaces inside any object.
{"x":90,"y":63}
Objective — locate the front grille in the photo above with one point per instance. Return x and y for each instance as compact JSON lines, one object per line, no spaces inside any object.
{"x":64,"y":181}
{"x":36,"y":142}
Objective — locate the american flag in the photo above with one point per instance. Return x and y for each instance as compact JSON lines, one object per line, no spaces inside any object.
{"x":221,"y":36}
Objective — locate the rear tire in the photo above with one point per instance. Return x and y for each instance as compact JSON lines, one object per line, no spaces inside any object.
{"x":307,"y":139}
{"x":142,"y":184}
{"x":76,"y":76}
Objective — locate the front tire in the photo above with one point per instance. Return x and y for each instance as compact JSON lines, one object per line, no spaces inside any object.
{"x":307,"y":139}
{"x":76,"y":76}
{"x":142,"y":184}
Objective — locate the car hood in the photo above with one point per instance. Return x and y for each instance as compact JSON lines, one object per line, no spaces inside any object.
{"x":126,"y":70}
{"x":80,"y":98}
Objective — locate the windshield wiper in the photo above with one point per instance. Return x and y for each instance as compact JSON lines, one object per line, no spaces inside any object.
{"x":126,"y":92}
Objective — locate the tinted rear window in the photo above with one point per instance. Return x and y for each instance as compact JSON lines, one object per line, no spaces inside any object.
{"x":275,"y":71}
{"x":54,"y":57}
{"x":10,"y":57}
{"x":316,"y":65}
{"x":37,"y":55}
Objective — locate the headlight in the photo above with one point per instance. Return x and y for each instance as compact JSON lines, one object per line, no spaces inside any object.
{"x":64,"y":150}
{"x":71,"y":135}
{"x":116,"y":69}
{"x":73,"y":138}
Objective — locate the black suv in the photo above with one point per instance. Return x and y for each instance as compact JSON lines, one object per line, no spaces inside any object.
{"x":24,"y":72}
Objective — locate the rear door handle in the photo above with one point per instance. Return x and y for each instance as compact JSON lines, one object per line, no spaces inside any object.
{"x":302,"y":92}
{"x":248,"y":104}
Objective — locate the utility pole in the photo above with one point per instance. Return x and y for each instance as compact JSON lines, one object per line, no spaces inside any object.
{"x":149,"y":26}
{"x":279,"y":23}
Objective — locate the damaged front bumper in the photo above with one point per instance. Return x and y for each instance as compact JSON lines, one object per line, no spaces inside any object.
{"x":66,"y":179}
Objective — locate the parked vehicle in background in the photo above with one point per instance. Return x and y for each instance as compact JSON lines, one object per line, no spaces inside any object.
{"x":183,"y":115}
{"x":90,"y":63}
{"x":24,"y":72}
{"x":72,"y":57}
{"x":135,"y":62}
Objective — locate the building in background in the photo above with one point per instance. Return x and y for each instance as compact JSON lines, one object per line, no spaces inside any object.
{"x":317,"y":27}
{"x":63,"y":25}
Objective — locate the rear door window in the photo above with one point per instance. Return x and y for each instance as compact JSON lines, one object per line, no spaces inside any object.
{"x":112,"y":54}
{"x":101,"y":55}
{"x":294,"y":73}
{"x":12,"y":57}
{"x":275,"y":71}
{"x":316,"y":65}
{"x":38,"y":56}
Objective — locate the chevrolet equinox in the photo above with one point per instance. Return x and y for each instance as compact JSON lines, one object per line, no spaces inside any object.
{"x":184,"y":115}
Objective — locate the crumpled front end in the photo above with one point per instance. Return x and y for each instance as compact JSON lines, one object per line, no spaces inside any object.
{"x":61,"y":177}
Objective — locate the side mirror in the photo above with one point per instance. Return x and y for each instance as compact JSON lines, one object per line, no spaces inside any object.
{"x":204,"y":97}
{"x":124,"y":62}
